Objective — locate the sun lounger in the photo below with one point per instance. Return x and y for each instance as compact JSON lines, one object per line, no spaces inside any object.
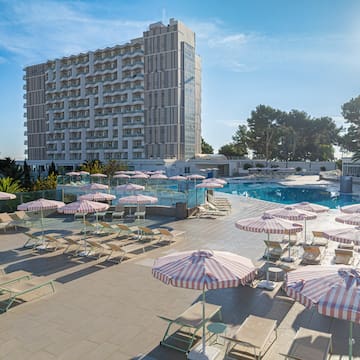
{"x":253,"y":338}
{"x":170,"y":236}
{"x":140,"y":212}
{"x":312,"y":255}
{"x":6,"y":222}
{"x":52,"y":243}
{"x":119,"y":212}
{"x":8,"y":278}
{"x":32,"y":240}
{"x":209,"y":213}
{"x":343,"y":256}
{"x":96,"y":249}
{"x":147,"y":234}
{"x":74,"y":243}
{"x":187,"y":326}
{"x":21,"y":218}
{"x":23,"y":291}
{"x":319,"y":239}
{"x":309,"y":345}
{"x":274,"y":249}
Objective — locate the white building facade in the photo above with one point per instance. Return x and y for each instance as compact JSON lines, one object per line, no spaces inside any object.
{"x":136,"y":101}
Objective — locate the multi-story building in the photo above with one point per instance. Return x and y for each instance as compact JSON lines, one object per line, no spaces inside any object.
{"x":140,"y":100}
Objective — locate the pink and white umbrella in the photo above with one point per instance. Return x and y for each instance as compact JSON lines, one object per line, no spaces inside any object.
{"x":99,"y":175}
{"x":196,"y":177}
{"x":129,"y":187}
{"x":140,"y":176}
{"x":73,"y":173}
{"x":138,"y":199}
{"x":316,"y":208}
{"x":350,"y":209}
{"x":216,"y":180}
{"x":83,"y":207}
{"x":349,"y":219}
{"x":344,"y":235}
{"x":178,"y":178}
{"x":209,"y":185}
{"x":333,"y":290}
{"x":158,"y":176}
{"x":7,"y":196}
{"x":84,"y":173}
{"x":41,"y":205}
{"x":270,"y":225}
{"x":97,"y":197}
{"x":294,"y":214}
{"x":121,"y":176}
{"x":204,"y":269}
{"x":95,"y":186}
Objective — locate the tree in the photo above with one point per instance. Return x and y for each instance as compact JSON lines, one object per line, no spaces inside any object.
{"x":52,"y":169}
{"x":10,"y":185}
{"x":228,"y":150}
{"x":240,"y":140}
{"x":45,"y":184}
{"x":263,"y":134}
{"x":9,"y":168}
{"x":206,"y":148}
{"x":93,"y":166}
{"x":26,"y":179}
{"x":110,"y":167}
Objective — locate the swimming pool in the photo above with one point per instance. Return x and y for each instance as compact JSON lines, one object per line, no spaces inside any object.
{"x":291,"y":194}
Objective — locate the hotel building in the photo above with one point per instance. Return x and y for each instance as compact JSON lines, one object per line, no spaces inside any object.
{"x":136,"y":101}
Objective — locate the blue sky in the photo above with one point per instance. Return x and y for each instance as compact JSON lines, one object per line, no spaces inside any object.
{"x":287,"y":54}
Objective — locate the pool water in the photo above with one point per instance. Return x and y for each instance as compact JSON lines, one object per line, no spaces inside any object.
{"x":290,"y":194}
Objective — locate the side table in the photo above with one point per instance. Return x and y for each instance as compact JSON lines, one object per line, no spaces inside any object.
{"x":216,"y":328}
{"x":276,"y":271}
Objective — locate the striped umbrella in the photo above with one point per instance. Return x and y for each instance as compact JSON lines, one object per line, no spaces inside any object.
{"x":83,"y":207}
{"x":204,"y":269}
{"x":345,"y":235}
{"x":349,"y":219}
{"x":333,"y":290}
{"x":294,"y":214}
{"x":41,"y":205}
{"x":7,"y":196}
{"x":350,"y":209}
{"x":270,"y":225}
{"x":97,"y":197}
{"x":129,"y":187}
{"x":216,"y":180}
{"x":316,"y":208}
{"x":178,"y":178}
{"x":95,"y":186}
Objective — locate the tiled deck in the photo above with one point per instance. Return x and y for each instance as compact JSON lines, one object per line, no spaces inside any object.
{"x":106,"y":311}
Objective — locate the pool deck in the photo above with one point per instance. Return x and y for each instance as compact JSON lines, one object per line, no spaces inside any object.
{"x":106,"y":311}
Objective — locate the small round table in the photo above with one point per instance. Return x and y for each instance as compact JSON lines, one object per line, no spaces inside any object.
{"x":216,"y":328}
{"x":276,"y":271}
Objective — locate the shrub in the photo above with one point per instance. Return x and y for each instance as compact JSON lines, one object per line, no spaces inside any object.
{"x":322,"y":168}
{"x":258,"y":165}
{"x":247,"y":166}
{"x":298,"y":169}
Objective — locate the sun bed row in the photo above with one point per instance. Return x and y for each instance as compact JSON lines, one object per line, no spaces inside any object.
{"x":251,"y":339}
{"x":21,"y":286}
{"x":13,"y":220}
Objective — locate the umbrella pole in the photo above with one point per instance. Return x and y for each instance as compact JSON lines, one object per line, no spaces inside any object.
{"x":304,"y":231}
{"x":350,"y":340}
{"x":203,"y":325}
{"x":267,"y":261}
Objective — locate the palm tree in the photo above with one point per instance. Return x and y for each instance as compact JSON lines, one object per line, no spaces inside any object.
{"x":10,"y":185}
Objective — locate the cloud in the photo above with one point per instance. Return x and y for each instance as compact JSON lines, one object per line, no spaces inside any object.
{"x":230,"y":123}
{"x":229,"y":41}
{"x":37,"y":30}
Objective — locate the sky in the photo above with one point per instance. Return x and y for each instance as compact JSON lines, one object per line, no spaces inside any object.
{"x":300,"y":55}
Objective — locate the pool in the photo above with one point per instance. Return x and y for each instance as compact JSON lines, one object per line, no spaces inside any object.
{"x":291,"y":194}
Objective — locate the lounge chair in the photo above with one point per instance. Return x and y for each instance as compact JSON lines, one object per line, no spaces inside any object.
{"x":274,"y":249}
{"x":52,"y":243}
{"x":108,"y":228}
{"x":6,"y":222}
{"x":343,"y":256}
{"x":8,"y":278}
{"x":126,"y":230}
{"x":209,"y":213}
{"x":140,"y":212}
{"x":96,"y":249}
{"x":20,"y":218}
{"x":312,"y":255}
{"x":32,"y":240}
{"x":23,"y":291}
{"x":73,"y":243}
{"x":309,"y":345}
{"x":119,"y":212}
{"x":252,"y":338}
{"x":190,"y":322}
{"x":319,"y":239}
{"x":170,"y":236}
{"x":147,"y":234}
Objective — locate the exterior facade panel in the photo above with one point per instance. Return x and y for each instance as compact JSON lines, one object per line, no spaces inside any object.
{"x":127,"y":102}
